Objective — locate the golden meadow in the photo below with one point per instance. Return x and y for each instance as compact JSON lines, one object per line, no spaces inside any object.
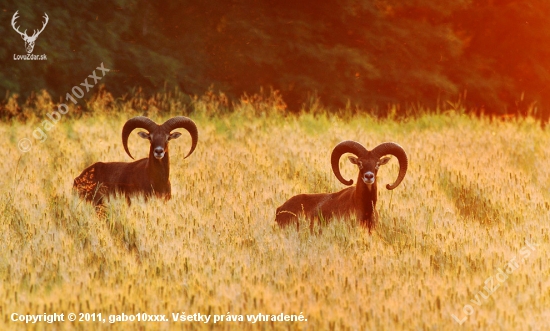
{"x":475,"y":190}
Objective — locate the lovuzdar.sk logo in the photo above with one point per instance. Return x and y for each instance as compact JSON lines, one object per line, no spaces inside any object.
{"x":29,"y":40}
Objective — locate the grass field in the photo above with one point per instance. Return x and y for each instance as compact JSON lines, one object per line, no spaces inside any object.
{"x":474,"y":192}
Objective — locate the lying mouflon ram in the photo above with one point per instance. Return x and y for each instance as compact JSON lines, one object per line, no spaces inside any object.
{"x":148,"y":176}
{"x":359,"y":200}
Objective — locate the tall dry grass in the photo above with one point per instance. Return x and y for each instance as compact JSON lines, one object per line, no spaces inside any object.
{"x":475,"y":190}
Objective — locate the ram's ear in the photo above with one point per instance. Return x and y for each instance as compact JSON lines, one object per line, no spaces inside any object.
{"x":384,"y":160}
{"x":144,"y":135}
{"x":174,"y":135}
{"x":356,"y":161}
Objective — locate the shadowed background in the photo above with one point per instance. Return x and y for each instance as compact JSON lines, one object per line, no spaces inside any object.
{"x":491,"y":56}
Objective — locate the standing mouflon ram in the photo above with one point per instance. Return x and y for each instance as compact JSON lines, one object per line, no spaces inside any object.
{"x":148,"y":176}
{"x":359,"y":200}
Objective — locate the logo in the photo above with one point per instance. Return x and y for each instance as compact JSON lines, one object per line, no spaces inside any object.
{"x":29,"y":40}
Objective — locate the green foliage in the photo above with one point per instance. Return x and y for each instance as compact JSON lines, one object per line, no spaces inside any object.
{"x":363,"y":55}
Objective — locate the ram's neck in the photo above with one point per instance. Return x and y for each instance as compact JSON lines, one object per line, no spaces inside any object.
{"x":159,"y":170}
{"x":365,"y":197}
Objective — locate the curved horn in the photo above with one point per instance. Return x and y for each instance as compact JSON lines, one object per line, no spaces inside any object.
{"x":347,"y":146}
{"x":397,"y":151}
{"x":184,"y":123}
{"x":134,"y":123}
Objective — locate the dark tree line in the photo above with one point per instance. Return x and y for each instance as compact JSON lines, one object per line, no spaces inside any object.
{"x":369,"y":53}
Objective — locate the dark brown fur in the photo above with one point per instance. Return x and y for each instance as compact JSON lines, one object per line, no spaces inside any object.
{"x":148,"y":176}
{"x":358,"y":201}
{"x":144,"y":176}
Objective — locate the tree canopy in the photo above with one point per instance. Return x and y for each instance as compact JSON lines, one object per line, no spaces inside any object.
{"x":492,"y":54}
